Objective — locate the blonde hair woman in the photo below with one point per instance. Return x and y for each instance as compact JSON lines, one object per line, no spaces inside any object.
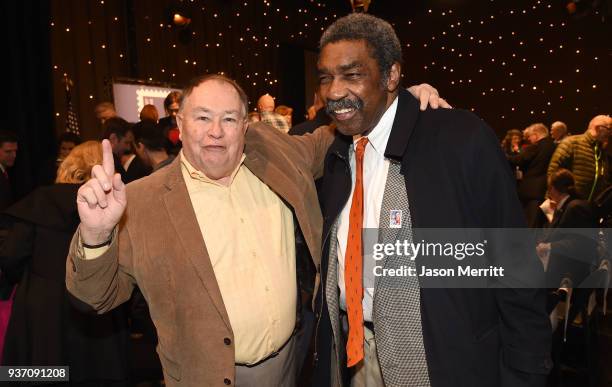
{"x":45,"y":326}
{"x":76,"y":167}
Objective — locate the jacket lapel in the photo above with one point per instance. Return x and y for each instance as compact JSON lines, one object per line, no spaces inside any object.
{"x":183,"y":219}
{"x":559,"y":213}
{"x":403,"y":125}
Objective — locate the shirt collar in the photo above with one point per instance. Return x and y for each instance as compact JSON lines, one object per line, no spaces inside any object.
{"x":562,"y":202}
{"x":2,"y":169}
{"x":379,"y":136}
{"x":197,"y":175}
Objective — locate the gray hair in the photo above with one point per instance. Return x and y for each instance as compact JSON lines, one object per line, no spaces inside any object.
{"x":538,"y":128}
{"x":379,"y":35}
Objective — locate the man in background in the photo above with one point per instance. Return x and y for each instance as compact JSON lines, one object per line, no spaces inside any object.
{"x":8,"y":153}
{"x":150,"y":145}
{"x":286,"y":112}
{"x":265,"y":104}
{"x":119,"y":133}
{"x":558,"y":131}
{"x":168,"y":123}
{"x":584,"y":155}
{"x":533,"y":162}
{"x":104,"y":111}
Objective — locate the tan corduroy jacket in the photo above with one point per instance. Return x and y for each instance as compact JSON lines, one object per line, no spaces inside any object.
{"x":159,"y":247}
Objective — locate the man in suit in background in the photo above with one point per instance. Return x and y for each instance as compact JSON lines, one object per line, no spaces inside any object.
{"x":440,"y":168}
{"x":316,"y":117}
{"x":533,"y":161}
{"x":121,"y":137}
{"x":8,"y":154}
{"x":564,"y":250}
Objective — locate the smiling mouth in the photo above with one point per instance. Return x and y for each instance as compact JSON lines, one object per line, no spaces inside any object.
{"x":344,"y":114}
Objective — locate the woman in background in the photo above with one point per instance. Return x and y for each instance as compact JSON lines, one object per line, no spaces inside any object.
{"x":48,"y":326}
{"x":511,"y":144}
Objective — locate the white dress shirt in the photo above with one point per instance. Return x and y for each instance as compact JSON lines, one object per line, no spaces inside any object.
{"x":375,"y":170}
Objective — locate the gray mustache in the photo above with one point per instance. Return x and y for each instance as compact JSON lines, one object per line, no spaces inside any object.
{"x":344,"y":103}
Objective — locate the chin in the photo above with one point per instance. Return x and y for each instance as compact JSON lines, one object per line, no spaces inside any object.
{"x":348,"y":130}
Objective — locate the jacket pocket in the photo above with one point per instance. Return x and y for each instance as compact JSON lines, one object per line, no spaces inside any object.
{"x":169,"y":366}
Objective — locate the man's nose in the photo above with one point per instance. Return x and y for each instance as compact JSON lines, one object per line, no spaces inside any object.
{"x":216,"y":129}
{"x":337,"y":89}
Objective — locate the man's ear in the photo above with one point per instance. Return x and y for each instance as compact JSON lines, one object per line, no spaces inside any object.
{"x":113,"y":139}
{"x":394,"y":77}
{"x":246,"y":126}
{"x":179,"y":124}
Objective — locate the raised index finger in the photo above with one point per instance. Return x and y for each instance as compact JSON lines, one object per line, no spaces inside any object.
{"x":108,"y":163}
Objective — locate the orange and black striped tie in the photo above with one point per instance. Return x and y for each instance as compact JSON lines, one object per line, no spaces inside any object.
{"x":353,"y":264}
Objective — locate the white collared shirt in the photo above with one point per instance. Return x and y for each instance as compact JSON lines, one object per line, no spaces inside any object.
{"x":375,"y":170}
{"x":129,"y":160}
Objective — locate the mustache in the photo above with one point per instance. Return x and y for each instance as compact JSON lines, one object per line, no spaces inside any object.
{"x":344,"y":103}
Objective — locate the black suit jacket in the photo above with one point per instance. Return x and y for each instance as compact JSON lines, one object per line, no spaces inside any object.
{"x":572,"y":235}
{"x":6,"y":194}
{"x":456,"y":176}
{"x":533,"y":161}
{"x":137,"y":170}
{"x":308,"y":126}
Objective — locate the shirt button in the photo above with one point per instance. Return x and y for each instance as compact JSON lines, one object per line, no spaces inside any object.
{"x":241,"y":220}
{"x":227,"y":341}
{"x":227,"y":381}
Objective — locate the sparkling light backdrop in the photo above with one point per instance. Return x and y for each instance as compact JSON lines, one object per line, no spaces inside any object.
{"x":511,"y":62}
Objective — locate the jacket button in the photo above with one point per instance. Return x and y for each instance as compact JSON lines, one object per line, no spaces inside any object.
{"x":227,"y":341}
{"x":227,"y":381}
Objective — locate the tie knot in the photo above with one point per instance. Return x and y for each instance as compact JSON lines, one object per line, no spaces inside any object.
{"x":361,"y":145}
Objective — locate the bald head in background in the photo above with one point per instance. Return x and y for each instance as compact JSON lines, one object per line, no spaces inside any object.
{"x":265,"y":103}
{"x":600,"y":128}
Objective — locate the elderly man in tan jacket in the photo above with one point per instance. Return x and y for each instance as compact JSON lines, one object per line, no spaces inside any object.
{"x":210,"y":240}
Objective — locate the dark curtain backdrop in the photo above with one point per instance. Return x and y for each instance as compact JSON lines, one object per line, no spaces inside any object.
{"x":27,"y":87}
